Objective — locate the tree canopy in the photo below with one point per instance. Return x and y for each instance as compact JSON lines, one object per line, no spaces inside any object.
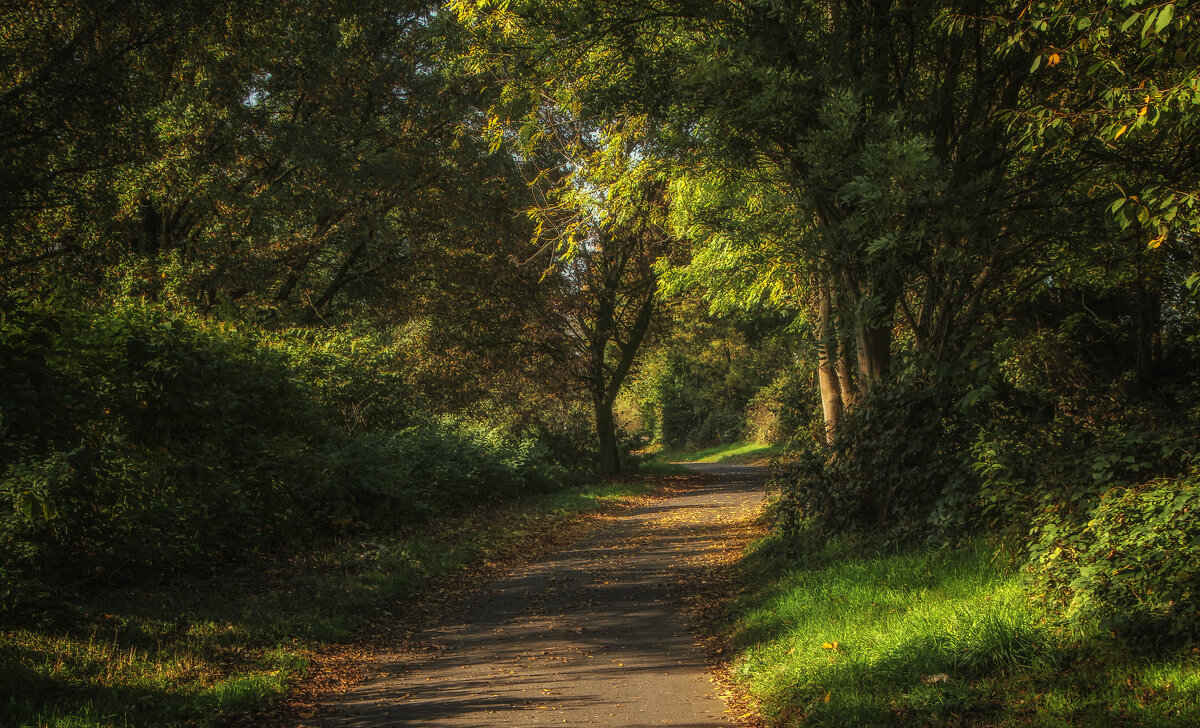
{"x":944,"y":250}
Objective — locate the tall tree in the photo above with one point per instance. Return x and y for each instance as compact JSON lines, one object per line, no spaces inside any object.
{"x":603,"y":221}
{"x":288,"y":157}
{"x":894,"y":177}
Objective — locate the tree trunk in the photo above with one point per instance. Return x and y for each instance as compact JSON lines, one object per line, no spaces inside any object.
{"x":874,"y":354}
{"x":606,"y":388}
{"x":847,"y":358}
{"x":343,"y":274}
{"x":606,"y":436}
{"x":827,"y":362}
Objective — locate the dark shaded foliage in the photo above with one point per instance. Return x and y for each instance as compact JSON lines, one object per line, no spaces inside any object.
{"x":136,"y":442}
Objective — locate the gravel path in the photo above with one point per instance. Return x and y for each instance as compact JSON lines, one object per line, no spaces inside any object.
{"x":588,"y":636}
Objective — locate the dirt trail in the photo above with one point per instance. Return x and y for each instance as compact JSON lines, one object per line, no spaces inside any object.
{"x":588,"y":636}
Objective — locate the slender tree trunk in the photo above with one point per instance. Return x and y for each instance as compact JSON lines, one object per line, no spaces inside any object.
{"x":874,"y":354}
{"x":846,"y":365}
{"x":827,"y":362}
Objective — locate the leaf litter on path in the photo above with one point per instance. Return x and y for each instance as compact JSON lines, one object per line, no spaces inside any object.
{"x":706,"y":556}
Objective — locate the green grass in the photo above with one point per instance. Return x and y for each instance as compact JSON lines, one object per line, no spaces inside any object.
{"x":195,"y":651}
{"x":737,"y":452}
{"x":845,"y":637}
{"x":661,"y":468}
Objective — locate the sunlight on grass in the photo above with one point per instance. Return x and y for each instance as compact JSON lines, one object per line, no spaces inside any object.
{"x":201,"y":650}
{"x":925,"y":637}
{"x":659,"y":468}
{"x":737,"y":452}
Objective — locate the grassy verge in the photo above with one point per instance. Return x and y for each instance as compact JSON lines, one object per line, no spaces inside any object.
{"x":193,"y":652}
{"x":661,"y":468}
{"x":733,"y":453}
{"x":846,"y":637}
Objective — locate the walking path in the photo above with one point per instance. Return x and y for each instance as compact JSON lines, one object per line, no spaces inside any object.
{"x":588,"y":636}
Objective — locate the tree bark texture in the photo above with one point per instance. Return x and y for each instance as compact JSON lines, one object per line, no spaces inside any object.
{"x":828,"y":362}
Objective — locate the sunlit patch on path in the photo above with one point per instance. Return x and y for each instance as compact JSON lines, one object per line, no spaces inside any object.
{"x":595,"y":635}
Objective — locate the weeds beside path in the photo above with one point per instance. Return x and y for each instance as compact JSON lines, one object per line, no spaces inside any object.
{"x":206,"y":649}
{"x":850,"y":636}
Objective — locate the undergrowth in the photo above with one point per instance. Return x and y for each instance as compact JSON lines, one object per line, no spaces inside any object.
{"x":195,"y":650}
{"x":138,"y":443}
{"x":848,"y":635}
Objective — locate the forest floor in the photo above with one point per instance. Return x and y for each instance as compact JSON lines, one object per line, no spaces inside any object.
{"x":614,"y":629}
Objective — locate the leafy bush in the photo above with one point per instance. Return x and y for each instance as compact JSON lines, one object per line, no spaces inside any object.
{"x":684,"y":402}
{"x":133,"y":442}
{"x":1134,"y":566}
{"x":1088,"y":488}
{"x":894,"y":467}
{"x":784,"y":410}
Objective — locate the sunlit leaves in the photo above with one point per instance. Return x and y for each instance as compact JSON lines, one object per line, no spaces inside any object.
{"x":1125,"y":79}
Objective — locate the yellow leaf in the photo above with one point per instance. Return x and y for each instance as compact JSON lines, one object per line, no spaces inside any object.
{"x":1120,"y":132}
{"x":829,"y":645}
{"x":1053,"y":60}
{"x":1157,"y":242}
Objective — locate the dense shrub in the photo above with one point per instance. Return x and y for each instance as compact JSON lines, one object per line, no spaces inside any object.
{"x":1112,"y":534}
{"x":1098,"y":495}
{"x":895,"y":467}
{"x":133,"y":441}
{"x":784,"y":410}
{"x":1134,"y":567}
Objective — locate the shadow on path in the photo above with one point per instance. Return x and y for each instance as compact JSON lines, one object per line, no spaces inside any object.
{"x":588,"y":636}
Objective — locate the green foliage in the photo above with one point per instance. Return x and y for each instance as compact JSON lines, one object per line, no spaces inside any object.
{"x":853,"y":636}
{"x":1111,"y":529}
{"x":136,"y":441}
{"x":708,"y":380}
{"x":785,"y":410}
{"x":894,"y":467}
{"x":1131,"y":568}
{"x":1137,"y":64}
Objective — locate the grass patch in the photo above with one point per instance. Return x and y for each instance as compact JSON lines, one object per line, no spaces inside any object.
{"x":846,"y":637}
{"x":734,"y":453}
{"x":659,"y":468}
{"x":199,"y":649}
